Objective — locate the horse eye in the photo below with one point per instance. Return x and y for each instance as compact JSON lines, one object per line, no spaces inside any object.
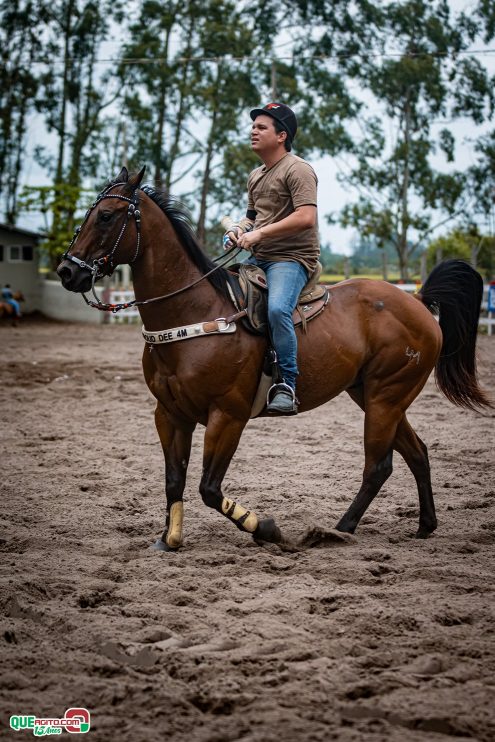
{"x":105,"y":216}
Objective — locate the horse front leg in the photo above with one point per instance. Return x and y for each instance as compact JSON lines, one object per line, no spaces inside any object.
{"x":176,"y":445}
{"x":222,"y":436}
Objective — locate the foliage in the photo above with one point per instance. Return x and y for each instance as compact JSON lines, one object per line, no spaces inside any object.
{"x":482,"y":179}
{"x":20,"y":44}
{"x":61,"y":201}
{"x":466,"y":244}
{"x":400,"y":192}
{"x":186,"y":74}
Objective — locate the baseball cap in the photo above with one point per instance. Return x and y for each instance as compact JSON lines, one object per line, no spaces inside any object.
{"x":281,"y":113}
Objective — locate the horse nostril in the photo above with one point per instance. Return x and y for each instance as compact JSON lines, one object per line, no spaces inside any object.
{"x":64,"y":272}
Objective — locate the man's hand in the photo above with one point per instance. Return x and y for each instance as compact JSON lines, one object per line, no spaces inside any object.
{"x":233,"y":231}
{"x":249,"y":239}
{"x":230,"y":238}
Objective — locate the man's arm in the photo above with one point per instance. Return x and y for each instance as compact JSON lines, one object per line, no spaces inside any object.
{"x":302,"y":218}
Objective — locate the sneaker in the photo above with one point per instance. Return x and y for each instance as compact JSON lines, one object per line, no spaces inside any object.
{"x":283,"y":401}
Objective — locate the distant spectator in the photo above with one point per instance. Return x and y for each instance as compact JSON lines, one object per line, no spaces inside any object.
{"x":8,"y":298}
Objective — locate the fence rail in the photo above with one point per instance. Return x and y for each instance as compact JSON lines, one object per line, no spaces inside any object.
{"x":129,"y":316}
{"x":126,"y":316}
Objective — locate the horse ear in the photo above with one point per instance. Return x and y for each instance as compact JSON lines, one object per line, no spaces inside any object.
{"x":135,"y":180}
{"x":123,"y":176}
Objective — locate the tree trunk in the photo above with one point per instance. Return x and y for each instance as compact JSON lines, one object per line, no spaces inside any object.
{"x":402,"y":237}
{"x":347,"y":268}
{"x":67,"y":28}
{"x":59,"y":172}
{"x":475,"y":249}
{"x":384,"y":264}
{"x":162,"y":107}
{"x":181,"y":111}
{"x":201,"y":227}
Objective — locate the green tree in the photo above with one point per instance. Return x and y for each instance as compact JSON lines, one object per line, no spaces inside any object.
{"x":72,"y":99}
{"x":21,"y":46}
{"x":400,"y":192}
{"x":183,"y":114}
{"x":54,"y":202}
{"x":467,"y":244}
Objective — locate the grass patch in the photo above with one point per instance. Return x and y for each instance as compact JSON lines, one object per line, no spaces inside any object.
{"x":336,"y":277}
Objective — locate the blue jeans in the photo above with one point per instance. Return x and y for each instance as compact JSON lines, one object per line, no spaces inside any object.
{"x":285,"y":282}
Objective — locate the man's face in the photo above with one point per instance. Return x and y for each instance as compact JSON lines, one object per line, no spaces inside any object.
{"x":264,"y":138}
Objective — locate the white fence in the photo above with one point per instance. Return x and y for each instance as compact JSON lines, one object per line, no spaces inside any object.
{"x":125,"y":316}
{"x":488,"y":301}
{"x":58,"y":303}
{"x":132,"y":315}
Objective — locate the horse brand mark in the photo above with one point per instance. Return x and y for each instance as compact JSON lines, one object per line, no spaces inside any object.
{"x":413,"y":354}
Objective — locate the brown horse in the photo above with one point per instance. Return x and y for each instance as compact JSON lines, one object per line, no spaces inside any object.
{"x":373,"y":341}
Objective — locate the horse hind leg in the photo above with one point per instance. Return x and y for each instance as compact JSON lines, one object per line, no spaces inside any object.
{"x":415,"y":454}
{"x":381,"y":420}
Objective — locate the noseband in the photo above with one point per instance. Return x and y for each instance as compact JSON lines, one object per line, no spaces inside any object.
{"x":96,"y":269}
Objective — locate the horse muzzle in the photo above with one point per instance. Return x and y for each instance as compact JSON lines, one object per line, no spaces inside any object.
{"x":73,"y":277}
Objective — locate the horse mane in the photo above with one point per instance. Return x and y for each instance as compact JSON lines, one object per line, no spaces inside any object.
{"x":180,"y":219}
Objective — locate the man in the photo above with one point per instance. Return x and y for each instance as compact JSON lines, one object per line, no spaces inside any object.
{"x":280,"y":230}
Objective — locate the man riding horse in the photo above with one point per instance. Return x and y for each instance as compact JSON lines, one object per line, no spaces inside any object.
{"x":281,"y":232}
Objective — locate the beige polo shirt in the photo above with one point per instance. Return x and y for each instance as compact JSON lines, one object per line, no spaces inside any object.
{"x":273,"y":194}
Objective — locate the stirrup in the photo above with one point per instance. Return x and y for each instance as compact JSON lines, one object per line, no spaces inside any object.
{"x":281,"y":407}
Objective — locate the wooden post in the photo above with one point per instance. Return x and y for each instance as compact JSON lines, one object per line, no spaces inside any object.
{"x":423,"y":267}
{"x":347,"y":268}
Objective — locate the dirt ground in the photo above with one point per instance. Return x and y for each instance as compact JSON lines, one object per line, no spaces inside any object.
{"x":381,"y":638}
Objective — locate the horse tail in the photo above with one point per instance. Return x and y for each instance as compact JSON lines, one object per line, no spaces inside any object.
{"x":454,"y":290}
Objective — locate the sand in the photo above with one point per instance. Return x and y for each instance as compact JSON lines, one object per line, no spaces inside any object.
{"x":380,"y":637}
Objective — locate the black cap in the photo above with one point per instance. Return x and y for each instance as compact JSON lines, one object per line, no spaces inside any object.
{"x":281,"y":113}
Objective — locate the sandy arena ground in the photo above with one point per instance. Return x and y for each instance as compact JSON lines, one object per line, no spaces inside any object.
{"x":382,"y":638}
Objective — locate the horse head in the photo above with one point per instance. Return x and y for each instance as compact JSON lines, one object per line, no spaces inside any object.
{"x":105,"y":239}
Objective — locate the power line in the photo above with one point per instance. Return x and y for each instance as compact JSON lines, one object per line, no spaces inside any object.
{"x":319,"y":57}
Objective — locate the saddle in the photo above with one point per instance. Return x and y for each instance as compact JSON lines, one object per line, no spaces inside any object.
{"x":248,"y":288}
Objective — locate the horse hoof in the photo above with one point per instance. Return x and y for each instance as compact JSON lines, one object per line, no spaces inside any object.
{"x":267,"y":530}
{"x":343,"y":527}
{"x":160,"y":545}
{"x":423,"y":533}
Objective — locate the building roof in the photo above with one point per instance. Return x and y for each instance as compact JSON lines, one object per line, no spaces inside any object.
{"x":19,"y":230}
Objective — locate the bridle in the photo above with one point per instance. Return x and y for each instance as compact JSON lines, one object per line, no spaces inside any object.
{"x":107,"y":260}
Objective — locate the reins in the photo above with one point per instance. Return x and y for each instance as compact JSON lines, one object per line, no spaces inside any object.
{"x":135,"y":303}
{"x":95,"y":269}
